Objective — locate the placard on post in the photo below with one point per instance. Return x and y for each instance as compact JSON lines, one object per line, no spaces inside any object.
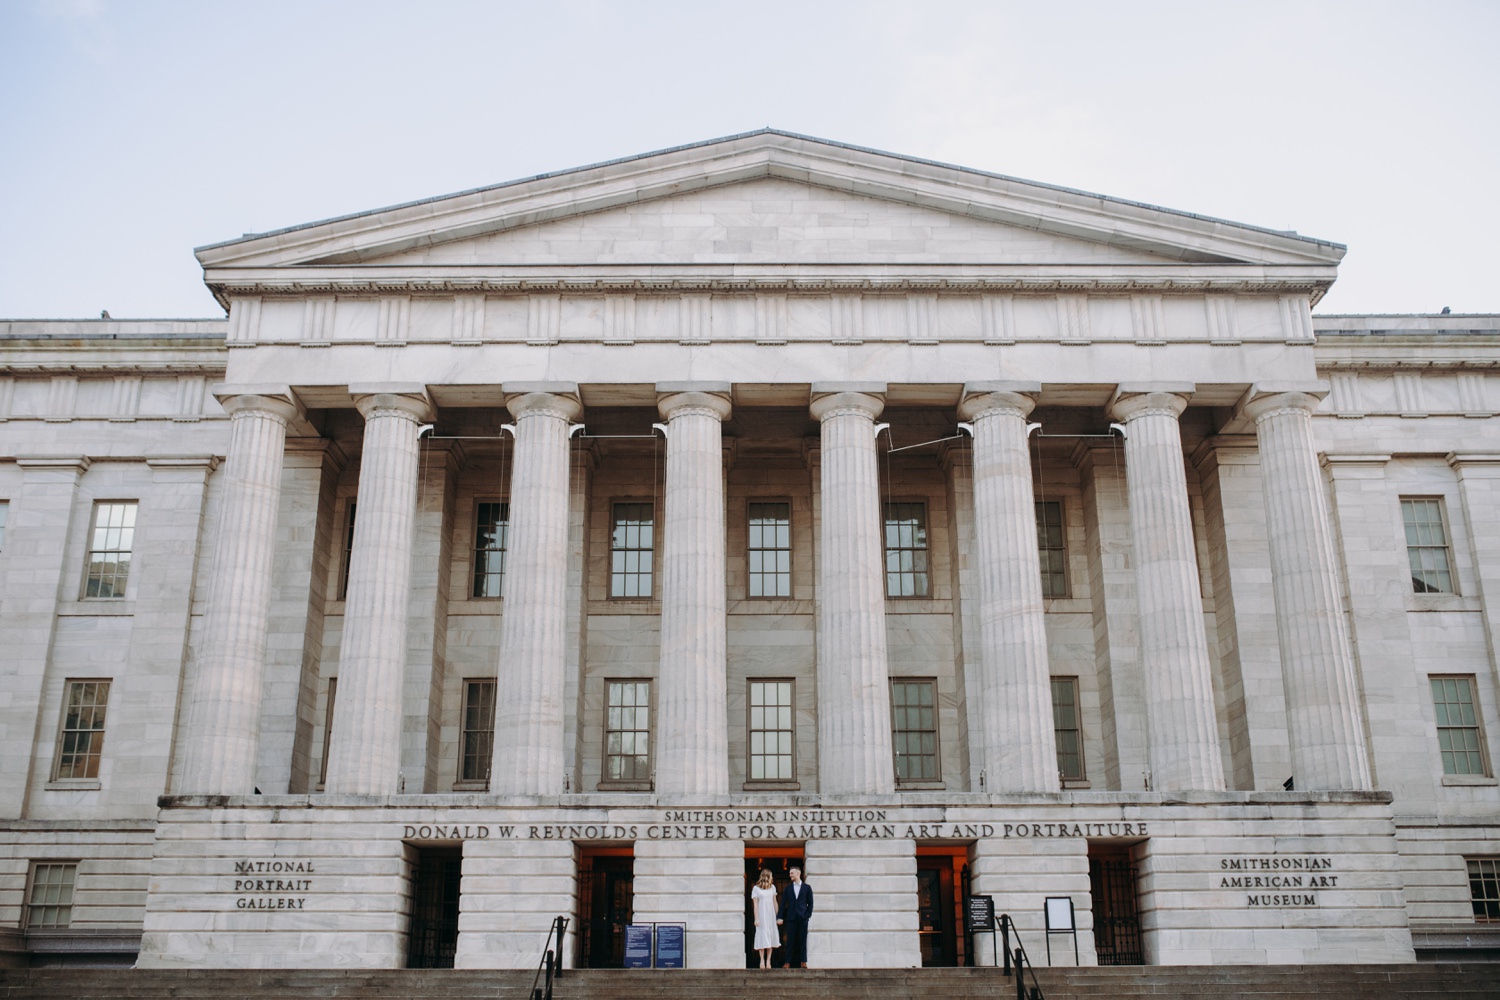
{"x":1060,"y":920}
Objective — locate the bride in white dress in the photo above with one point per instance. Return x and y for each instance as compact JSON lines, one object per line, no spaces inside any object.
{"x":763,"y":903}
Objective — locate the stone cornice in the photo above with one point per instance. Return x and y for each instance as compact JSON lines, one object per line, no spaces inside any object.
{"x":952,"y":279}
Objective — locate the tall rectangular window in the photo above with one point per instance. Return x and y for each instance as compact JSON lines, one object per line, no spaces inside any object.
{"x":627,"y":731}
{"x":1459,"y":738}
{"x":771,"y":731}
{"x":1065,"y":727}
{"x":632,"y":541}
{"x":333,"y":690}
{"x":479,"y":731}
{"x":906,"y":549}
{"x":80,"y":738}
{"x":50,"y":901}
{"x":1051,"y":548}
{"x":348,"y":550}
{"x":1484,"y":887}
{"x":768,"y":551}
{"x":1427,"y":546}
{"x":110,"y":541}
{"x":914,"y":729}
{"x":491,"y":536}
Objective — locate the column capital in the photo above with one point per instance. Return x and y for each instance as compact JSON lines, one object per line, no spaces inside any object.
{"x":1134,"y":399}
{"x":277,"y":400}
{"x":828,"y":404}
{"x":674,"y":397}
{"x":407,"y":397}
{"x":1477,"y":464}
{"x":1265,"y":398}
{"x":980,"y":398}
{"x":563,"y":404}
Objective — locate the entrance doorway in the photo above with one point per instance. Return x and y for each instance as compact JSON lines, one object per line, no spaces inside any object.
{"x":780,"y":860}
{"x":939,"y":870}
{"x":606,"y":900}
{"x":1117,"y":920}
{"x":436,"y":873}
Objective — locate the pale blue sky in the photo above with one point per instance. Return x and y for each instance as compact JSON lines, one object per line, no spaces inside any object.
{"x":131,"y":132}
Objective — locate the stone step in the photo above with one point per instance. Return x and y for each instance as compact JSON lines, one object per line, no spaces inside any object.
{"x":1462,"y":981}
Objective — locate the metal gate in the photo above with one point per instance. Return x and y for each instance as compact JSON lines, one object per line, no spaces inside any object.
{"x":434,"y":909}
{"x":1117,"y":920}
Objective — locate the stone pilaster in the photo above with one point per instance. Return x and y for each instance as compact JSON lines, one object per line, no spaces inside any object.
{"x":221,"y":744}
{"x":702,"y":884}
{"x":1115,"y":615}
{"x":504,"y":918}
{"x":1182,"y":729}
{"x":1479,"y":492}
{"x":1014,"y":737}
{"x":364,"y":754}
{"x":692,"y":751}
{"x":37,"y":531}
{"x":529,"y":699}
{"x":854,"y":699}
{"x":1317,"y":665}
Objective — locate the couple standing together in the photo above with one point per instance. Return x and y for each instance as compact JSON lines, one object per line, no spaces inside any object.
{"x":793,"y":913}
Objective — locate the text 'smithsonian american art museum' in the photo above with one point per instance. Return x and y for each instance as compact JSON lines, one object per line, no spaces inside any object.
{"x":584,"y":544}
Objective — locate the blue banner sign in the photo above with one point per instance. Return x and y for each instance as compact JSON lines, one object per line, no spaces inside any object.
{"x":637,"y":946}
{"x":669,"y":946}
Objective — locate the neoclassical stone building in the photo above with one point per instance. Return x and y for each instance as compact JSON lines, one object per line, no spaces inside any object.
{"x":582,"y":545}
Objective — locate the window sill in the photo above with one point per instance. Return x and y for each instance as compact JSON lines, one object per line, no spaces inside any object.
{"x":74,"y":785}
{"x":624,"y":786}
{"x":97,"y":606}
{"x":471,"y":786}
{"x":1460,"y":780}
{"x":1070,"y":784}
{"x":1441,"y":602}
{"x":921,"y":786}
{"x":772,"y":786}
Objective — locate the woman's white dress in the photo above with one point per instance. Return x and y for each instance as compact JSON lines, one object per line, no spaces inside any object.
{"x":764,"y":901}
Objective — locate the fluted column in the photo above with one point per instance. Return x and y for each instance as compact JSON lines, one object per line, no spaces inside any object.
{"x":692,"y":753}
{"x":528,"y":753}
{"x":364,"y":754}
{"x":854,"y":698}
{"x":1015,"y":743}
{"x":221,"y":744}
{"x":1182,"y":729}
{"x":1317,"y":663}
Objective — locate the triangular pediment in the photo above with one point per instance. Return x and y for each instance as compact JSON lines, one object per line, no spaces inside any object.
{"x":765,"y":198}
{"x":770,"y":220}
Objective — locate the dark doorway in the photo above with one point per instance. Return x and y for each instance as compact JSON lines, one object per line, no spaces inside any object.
{"x":436,"y":873}
{"x":1117,"y":920}
{"x":780,"y":861}
{"x":606,"y":900}
{"x":939,"y":870}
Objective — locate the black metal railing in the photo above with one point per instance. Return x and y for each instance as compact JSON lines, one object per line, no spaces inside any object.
{"x":1023,"y":966}
{"x":551,"y":963}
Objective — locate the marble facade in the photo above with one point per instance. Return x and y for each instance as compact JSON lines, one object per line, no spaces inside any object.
{"x":664,"y":341}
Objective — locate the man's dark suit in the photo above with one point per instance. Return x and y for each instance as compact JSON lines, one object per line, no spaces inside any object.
{"x":796,"y":911}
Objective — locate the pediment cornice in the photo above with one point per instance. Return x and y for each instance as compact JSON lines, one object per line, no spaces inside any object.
{"x":1174,"y":236}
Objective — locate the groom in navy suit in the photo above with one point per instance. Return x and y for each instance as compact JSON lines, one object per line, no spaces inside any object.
{"x":796,"y":911}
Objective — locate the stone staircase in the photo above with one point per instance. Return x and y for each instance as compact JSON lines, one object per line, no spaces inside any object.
{"x":1316,"y":982}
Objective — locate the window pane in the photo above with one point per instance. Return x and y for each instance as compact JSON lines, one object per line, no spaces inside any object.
{"x":1460,"y":744}
{"x":906,"y":550}
{"x":479,"y":730}
{"x":631,"y":550}
{"x":51,"y":901}
{"x":914,"y":733}
{"x":491,"y":537}
{"x":110,"y":543}
{"x":770,"y":725}
{"x":1427,"y":546}
{"x":626,"y":736}
{"x":1065,"y":727}
{"x":80,"y":740}
{"x":768,"y":551}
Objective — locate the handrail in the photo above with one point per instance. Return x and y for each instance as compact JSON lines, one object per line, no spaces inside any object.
{"x":1023,"y":963}
{"x":551,"y":962}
